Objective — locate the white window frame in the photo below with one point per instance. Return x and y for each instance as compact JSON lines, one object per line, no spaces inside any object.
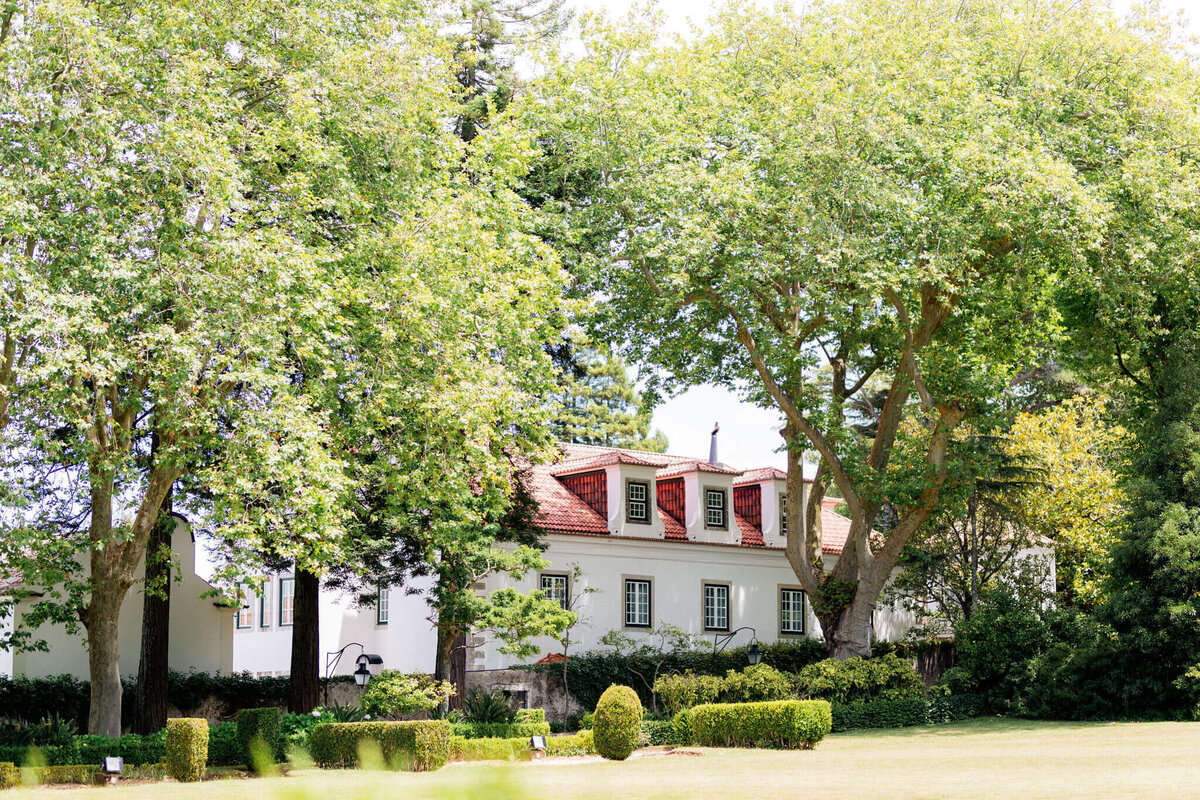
{"x":791,"y":593}
{"x":639,"y":608}
{"x":245,"y":614}
{"x":264,"y":605}
{"x":557,"y":586}
{"x":382,"y":605}
{"x":289,"y":619}
{"x":716,"y":606}
{"x":643,"y":503}
{"x":722,"y":509}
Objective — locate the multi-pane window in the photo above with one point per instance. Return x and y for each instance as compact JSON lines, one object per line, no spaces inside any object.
{"x":381,"y":606}
{"x":783,"y":515}
{"x":245,"y":615}
{"x":791,"y":611}
{"x":287,"y":601}
{"x":637,"y":603}
{"x":264,"y":605}
{"x":714,"y":505}
{"x":555,"y":587}
{"x":716,"y":607}
{"x":637,"y":501}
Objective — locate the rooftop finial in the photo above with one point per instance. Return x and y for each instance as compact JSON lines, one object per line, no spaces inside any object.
{"x":712,"y":446}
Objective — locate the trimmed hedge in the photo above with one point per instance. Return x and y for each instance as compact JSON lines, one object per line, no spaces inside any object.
{"x":261,"y":723}
{"x":780,"y":723}
{"x":617,"y":721}
{"x":500,"y":730}
{"x":187,"y":749}
{"x":487,"y":749}
{"x":422,"y":745}
{"x":683,"y":727}
{"x":905,"y":713}
{"x":10,"y":776}
{"x":531,"y":715}
{"x":224,"y":749}
{"x":580,"y":744}
{"x":656,"y":732}
{"x":590,"y":673}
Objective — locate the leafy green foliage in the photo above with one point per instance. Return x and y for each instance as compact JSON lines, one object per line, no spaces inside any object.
{"x":617,"y":722}
{"x":488,"y":749}
{"x":10,"y":775}
{"x":264,"y":725}
{"x":905,"y":713}
{"x":857,"y":680}
{"x":755,"y":683}
{"x":489,"y":707}
{"x":682,"y":723}
{"x":592,"y":672}
{"x":580,"y":744}
{"x":501,"y":730}
{"x":537,"y":715}
{"x":679,"y":691}
{"x":420,"y":746}
{"x":656,"y":732}
{"x":225,"y":748}
{"x":186,"y":749}
{"x":783,"y":723}
{"x":391,"y":693}
{"x":595,"y":402}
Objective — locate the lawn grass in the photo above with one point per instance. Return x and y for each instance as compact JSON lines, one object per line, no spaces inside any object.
{"x":978,"y":759}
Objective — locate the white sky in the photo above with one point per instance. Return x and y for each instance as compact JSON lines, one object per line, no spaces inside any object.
{"x":749,"y":435}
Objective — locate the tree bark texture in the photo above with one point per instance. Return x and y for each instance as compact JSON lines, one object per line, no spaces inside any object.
{"x":305,"y":673}
{"x":150,"y":707}
{"x":451,"y":664}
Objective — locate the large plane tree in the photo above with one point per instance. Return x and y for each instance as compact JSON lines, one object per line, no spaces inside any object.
{"x":871,"y":197}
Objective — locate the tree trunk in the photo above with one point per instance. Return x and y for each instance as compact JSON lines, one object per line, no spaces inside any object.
{"x":104,"y":711}
{"x":306,"y":628}
{"x":150,"y":707}
{"x":851,"y":636}
{"x":451,"y":665}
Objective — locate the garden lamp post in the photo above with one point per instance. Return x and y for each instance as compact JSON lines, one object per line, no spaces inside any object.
{"x":362,"y":675}
{"x":721,"y":641}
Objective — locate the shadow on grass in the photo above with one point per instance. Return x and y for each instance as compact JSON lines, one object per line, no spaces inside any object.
{"x":972,"y":727}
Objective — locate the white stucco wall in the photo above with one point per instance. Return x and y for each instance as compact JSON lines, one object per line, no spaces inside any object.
{"x":678,"y":571}
{"x":201,"y":633}
{"x":407,"y":642}
{"x":6,"y":664}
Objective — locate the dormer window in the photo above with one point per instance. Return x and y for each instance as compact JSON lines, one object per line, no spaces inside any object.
{"x":637,"y":501}
{"x":714,"y":508}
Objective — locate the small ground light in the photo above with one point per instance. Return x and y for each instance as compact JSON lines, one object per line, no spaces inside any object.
{"x":114,"y":766}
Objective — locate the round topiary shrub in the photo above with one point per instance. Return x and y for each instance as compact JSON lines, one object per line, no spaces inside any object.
{"x":617,"y":722}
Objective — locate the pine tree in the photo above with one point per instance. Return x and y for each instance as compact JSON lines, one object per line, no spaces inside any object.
{"x":596,"y":403}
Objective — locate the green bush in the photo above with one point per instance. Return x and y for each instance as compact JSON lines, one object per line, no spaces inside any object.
{"x":580,"y":744}
{"x":225,"y":746}
{"x":531,"y":715}
{"x":617,"y":721}
{"x":487,"y":749}
{"x":780,"y":723}
{"x":683,"y":727}
{"x":590,"y":673}
{"x":392,"y":692}
{"x":857,"y":680}
{"x":10,"y":776}
{"x":656,"y":732}
{"x":586,"y":721}
{"x":136,"y":750}
{"x":498,"y":730}
{"x":492,"y":707}
{"x":677,"y":692}
{"x":261,"y":723}
{"x":186,"y":749}
{"x":881,"y":714}
{"x":755,"y":684}
{"x":423,"y":745}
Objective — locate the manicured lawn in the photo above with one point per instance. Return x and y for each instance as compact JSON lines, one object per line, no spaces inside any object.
{"x":984,"y":758}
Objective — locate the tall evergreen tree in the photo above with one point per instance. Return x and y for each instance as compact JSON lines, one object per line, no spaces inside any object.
{"x":596,"y":403}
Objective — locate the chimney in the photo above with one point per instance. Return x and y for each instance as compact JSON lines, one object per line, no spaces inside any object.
{"x":712,"y":447}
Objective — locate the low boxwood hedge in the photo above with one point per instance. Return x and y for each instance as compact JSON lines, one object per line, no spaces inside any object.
{"x":881,"y":714}
{"x":487,"y":749}
{"x":500,"y":730}
{"x":224,"y":750}
{"x":531,"y":715}
{"x":186,"y":749}
{"x":780,"y":723}
{"x":10,"y":776}
{"x":579,"y":744}
{"x":658,"y":732}
{"x":421,"y":746}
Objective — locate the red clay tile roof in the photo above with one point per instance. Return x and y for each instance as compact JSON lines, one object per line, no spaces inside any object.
{"x":759,"y":475}
{"x":563,"y":512}
{"x":695,"y":465}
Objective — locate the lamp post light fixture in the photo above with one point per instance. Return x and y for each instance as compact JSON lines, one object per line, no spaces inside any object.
{"x":721,"y":641}
{"x":362,"y":675}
